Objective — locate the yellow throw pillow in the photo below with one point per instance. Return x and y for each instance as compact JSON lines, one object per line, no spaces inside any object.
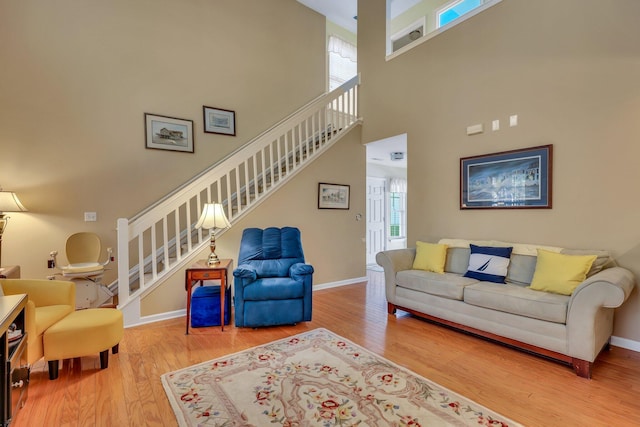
{"x":560,"y":273}
{"x":430,"y":257}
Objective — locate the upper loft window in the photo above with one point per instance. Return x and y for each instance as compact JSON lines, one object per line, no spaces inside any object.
{"x":412,"y":22}
{"x":454,"y":10}
{"x":343,"y":61}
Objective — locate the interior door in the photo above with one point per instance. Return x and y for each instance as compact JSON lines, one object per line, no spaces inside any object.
{"x":375,"y":217}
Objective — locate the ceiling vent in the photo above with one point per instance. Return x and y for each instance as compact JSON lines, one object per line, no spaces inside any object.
{"x":397,"y":155}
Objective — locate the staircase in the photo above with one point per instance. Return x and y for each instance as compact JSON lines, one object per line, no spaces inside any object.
{"x":159,"y":241}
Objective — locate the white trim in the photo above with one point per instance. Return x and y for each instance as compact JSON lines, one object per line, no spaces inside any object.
{"x":339,"y":283}
{"x":420,"y":22}
{"x":438,"y":31}
{"x":158,"y":317}
{"x":626,"y":343}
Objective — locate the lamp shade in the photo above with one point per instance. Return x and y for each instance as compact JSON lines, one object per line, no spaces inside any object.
{"x":9,"y":202}
{"x":213,"y":217}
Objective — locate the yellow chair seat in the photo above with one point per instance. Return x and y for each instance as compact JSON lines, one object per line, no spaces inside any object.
{"x":83,"y":269}
{"x":83,"y":333}
{"x":48,"y":315}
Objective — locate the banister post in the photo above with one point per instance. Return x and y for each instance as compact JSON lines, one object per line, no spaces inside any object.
{"x":122,"y":229}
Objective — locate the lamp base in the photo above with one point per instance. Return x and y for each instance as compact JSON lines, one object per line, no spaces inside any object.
{"x":213,"y":259}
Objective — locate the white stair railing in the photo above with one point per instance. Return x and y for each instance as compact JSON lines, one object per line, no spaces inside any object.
{"x":161,"y":239}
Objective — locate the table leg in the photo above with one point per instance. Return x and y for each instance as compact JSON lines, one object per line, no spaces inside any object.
{"x":223,"y":286}
{"x":188,"y":304}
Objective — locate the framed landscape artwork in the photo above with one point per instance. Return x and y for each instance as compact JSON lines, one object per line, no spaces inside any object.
{"x":333,"y":196}
{"x":517,"y":179}
{"x":218,"y":120}
{"x":168,"y":133}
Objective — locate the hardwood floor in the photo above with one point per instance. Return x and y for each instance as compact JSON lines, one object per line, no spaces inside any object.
{"x":526,"y":388}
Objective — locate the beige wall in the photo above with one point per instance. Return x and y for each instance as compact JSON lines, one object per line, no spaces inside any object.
{"x":77,"y":77}
{"x":333,"y":240}
{"x":569,"y":70}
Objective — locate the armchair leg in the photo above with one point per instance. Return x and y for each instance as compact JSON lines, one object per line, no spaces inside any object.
{"x":53,"y":369}
{"x":104,"y":359}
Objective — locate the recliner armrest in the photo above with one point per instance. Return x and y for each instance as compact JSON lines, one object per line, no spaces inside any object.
{"x":245,"y":271}
{"x":299,"y":269}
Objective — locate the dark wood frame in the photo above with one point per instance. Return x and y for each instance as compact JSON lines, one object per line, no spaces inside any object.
{"x":211,"y":128}
{"x":494,"y":162}
{"x":582,"y":368}
{"x":148,"y":133}
{"x":333,"y":205}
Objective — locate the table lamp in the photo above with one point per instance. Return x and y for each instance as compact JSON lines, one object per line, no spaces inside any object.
{"x":9,"y":202}
{"x":213,"y":218}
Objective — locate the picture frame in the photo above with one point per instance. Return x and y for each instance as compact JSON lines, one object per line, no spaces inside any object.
{"x":516,"y":179}
{"x":333,"y":196}
{"x":219,"y":120}
{"x":168,"y":133}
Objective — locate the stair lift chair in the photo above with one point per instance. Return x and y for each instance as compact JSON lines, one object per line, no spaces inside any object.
{"x":272,"y":283}
{"x":84,"y":269}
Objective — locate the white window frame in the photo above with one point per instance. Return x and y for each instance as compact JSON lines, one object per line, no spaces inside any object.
{"x":438,"y":31}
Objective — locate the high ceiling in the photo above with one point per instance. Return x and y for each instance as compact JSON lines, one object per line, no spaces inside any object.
{"x":341,"y":12}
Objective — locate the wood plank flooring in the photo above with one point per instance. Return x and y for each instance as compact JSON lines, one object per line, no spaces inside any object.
{"x":526,"y":388}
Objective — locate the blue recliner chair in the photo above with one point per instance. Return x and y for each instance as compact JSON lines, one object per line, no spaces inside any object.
{"x":272,"y":282}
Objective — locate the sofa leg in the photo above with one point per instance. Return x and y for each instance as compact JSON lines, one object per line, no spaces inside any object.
{"x":104,"y":359}
{"x":391,"y":308}
{"x":115,"y":348}
{"x":582,"y":368}
{"x":53,"y":369}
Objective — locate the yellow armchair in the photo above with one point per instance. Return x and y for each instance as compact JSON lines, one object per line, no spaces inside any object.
{"x":48,"y":302}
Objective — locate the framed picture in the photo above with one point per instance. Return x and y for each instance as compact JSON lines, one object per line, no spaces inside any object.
{"x":333,"y":196}
{"x":507,"y":180}
{"x":168,"y":133}
{"x":217,"y":120}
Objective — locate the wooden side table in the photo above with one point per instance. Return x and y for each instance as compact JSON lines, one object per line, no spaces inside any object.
{"x":200,"y":272}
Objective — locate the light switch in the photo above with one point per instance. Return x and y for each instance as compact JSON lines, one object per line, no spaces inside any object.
{"x":90,"y":216}
{"x":495,"y":125}
{"x":474,"y":129}
{"x":513,"y":120}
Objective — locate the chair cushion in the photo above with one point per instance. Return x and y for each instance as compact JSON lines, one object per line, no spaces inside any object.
{"x":48,"y":315}
{"x":273,"y":288}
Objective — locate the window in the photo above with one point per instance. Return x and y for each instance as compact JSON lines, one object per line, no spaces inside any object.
{"x":437,"y":16}
{"x":455,"y":10}
{"x":397,"y":205}
{"x":343,"y":61}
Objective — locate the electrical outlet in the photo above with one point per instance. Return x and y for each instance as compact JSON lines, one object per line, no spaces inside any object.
{"x":90,"y":216}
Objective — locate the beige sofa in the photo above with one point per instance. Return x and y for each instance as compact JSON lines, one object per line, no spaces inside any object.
{"x":569,"y":328}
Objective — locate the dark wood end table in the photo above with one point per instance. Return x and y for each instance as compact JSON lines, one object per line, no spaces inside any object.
{"x":199,"y":272}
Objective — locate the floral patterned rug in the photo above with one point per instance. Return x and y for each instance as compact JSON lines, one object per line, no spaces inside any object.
{"x":315,"y":379}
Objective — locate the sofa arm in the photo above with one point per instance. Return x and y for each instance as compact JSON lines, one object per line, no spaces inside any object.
{"x":590,"y":311}
{"x":43,"y":292}
{"x":392,"y":262}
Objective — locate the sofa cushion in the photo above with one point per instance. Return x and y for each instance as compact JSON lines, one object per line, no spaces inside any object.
{"x":447,"y":285}
{"x":518,"y":300}
{"x":488,"y":263}
{"x":430,"y":257}
{"x":560,"y":273}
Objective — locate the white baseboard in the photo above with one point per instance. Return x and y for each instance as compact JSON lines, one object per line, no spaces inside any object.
{"x":339,"y":283}
{"x":625,"y":343}
{"x":158,"y":317}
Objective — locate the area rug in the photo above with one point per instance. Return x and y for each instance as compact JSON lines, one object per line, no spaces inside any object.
{"x":316,"y":378}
